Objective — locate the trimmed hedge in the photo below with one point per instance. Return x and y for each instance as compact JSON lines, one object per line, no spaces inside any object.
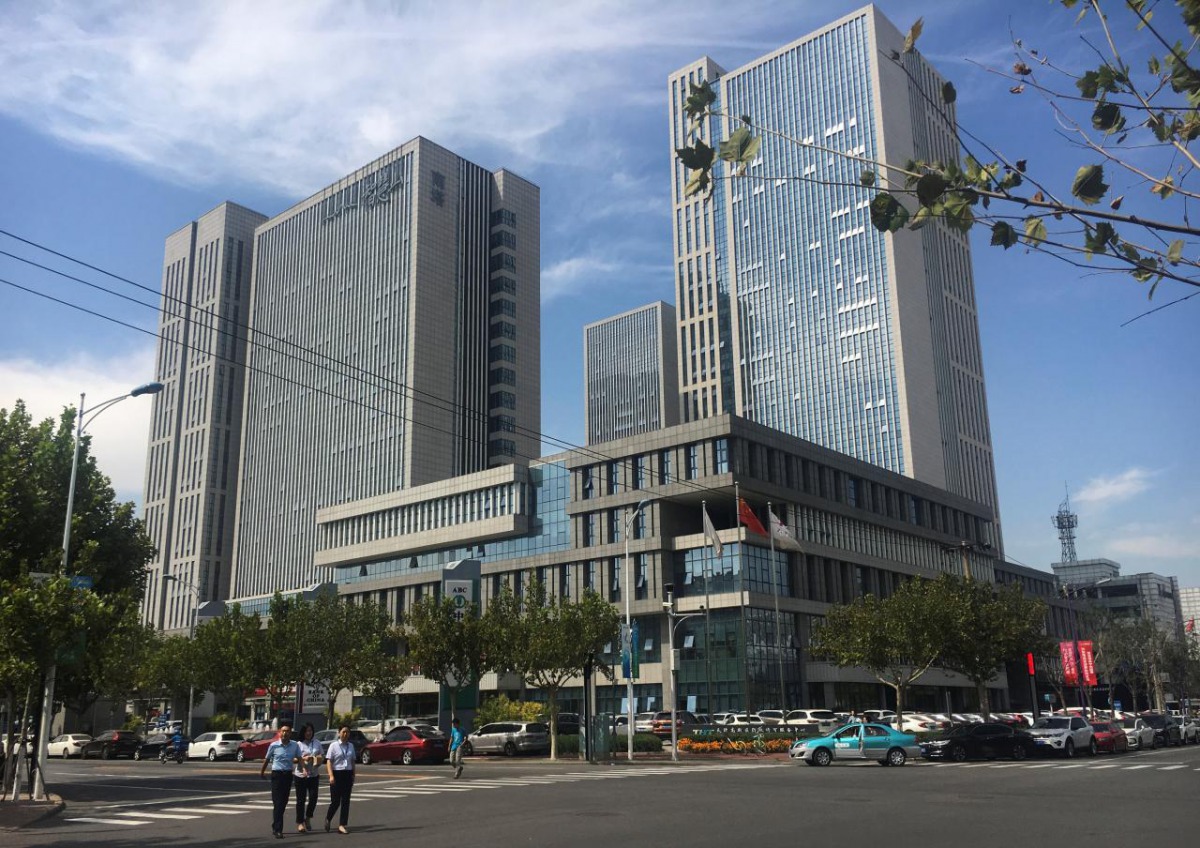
{"x":643,"y":743}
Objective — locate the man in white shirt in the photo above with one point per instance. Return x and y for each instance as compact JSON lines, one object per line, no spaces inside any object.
{"x":339,"y":762}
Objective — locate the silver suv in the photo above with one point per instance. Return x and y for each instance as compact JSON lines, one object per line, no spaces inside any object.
{"x":1064,"y":734}
{"x":509,"y":738}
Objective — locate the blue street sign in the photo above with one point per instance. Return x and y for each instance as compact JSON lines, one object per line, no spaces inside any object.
{"x":1116,"y":705}
{"x":81,"y":581}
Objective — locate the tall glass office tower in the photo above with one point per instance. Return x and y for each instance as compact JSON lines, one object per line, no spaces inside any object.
{"x":792,"y":309}
{"x":395,"y":342}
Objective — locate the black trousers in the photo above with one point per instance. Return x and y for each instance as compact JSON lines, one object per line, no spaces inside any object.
{"x":281,"y":790}
{"x":306,"y":797}
{"x":339,"y":796}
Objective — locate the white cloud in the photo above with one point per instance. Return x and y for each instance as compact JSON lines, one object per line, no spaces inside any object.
{"x":572,"y":276}
{"x":119,"y":435}
{"x":1101,"y":490}
{"x":1164,"y":545}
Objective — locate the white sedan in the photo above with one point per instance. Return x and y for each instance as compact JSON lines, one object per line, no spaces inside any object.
{"x":1139,"y":734}
{"x":67,"y":745}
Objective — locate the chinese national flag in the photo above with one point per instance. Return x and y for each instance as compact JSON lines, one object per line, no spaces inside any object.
{"x":746,"y":516}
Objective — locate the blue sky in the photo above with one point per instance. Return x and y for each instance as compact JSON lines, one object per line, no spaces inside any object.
{"x":120,"y":122}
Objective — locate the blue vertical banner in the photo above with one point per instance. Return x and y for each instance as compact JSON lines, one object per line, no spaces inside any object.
{"x":635,"y":642}
{"x":625,"y":652}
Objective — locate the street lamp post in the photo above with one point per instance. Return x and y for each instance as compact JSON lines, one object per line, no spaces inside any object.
{"x":627,"y":590}
{"x":191,"y":638}
{"x":673,"y":621}
{"x":39,"y":784}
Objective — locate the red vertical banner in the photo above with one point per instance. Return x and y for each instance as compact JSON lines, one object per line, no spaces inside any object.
{"x":1087,"y":659}
{"x":1066,"y":651}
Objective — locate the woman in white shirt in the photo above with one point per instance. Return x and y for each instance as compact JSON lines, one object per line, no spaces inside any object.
{"x":307,"y":778}
{"x":339,"y":763}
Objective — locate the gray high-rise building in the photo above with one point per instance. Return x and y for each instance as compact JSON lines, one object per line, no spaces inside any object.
{"x":630,"y":375}
{"x":793,"y":310}
{"x":196,"y":423}
{"x":395,"y":342}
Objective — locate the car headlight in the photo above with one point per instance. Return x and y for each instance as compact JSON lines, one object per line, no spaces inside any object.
{"x":938,"y":743}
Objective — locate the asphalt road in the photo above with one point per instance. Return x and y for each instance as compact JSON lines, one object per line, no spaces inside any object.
{"x":1139,"y":799}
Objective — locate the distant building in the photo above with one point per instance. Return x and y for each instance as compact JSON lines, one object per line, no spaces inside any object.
{"x":793,"y":310}
{"x":396,"y":328}
{"x":1146,"y":595}
{"x":196,"y":421}
{"x":630,"y":374}
{"x":1189,"y":611}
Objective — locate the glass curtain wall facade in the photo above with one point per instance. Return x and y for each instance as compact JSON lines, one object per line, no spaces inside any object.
{"x":863,"y":342}
{"x":396,"y":325}
{"x":196,"y":420}
{"x":631,"y":381}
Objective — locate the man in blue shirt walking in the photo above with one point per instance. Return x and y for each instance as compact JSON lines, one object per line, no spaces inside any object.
{"x":456,"y":748}
{"x":281,"y":757}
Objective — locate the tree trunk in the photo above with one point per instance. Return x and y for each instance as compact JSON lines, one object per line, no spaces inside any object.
{"x":985,"y":706}
{"x":552,"y":702}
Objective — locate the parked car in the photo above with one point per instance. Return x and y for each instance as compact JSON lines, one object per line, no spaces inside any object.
{"x":153,"y":745}
{"x":568,"y":723}
{"x":1189,"y":730}
{"x":1166,"y":731}
{"x":661,"y":724}
{"x":979,"y":741}
{"x":857,"y":742}
{"x":111,"y":743}
{"x":743,"y":720}
{"x":407,"y":745}
{"x":509,"y":738}
{"x":214,"y":746}
{"x":879,"y":716}
{"x":1138,"y":734}
{"x":67,"y":745}
{"x":771,"y":716}
{"x":643,"y":722}
{"x":818,"y":721}
{"x":357,"y":739}
{"x":1110,"y":737}
{"x":919,"y":723}
{"x":255,"y":746}
{"x":1064,"y":734}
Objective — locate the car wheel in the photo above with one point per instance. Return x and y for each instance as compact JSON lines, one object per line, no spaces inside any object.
{"x":467,"y":749}
{"x":241,"y":756}
{"x":137,"y":756}
{"x":65,"y":755}
{"x":1069,"y":749}
{"x":822,"y":757}
{"x":366,"y":757}
{"x":407,"y":758}
{"x":510,"y":750}
{"x":212,"y":755}
{"x":896,"y":757}
{"x":106,"y":753}
{"x":1018,"y":751}
{"x":958,"y":753}
{"x":1092,"y":747}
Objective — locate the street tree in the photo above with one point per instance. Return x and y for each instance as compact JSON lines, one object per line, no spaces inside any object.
{"x":289,"y":648}
{"x":1129,"y":118}
{"x":105,"y":660}
{"x":990,"y":626}
{"x":352,"y":643}
{"x":448,"y":645}
{"x":228,"y":653}
{"x":897,"y":639}
{"x":547,"y":641}
{"x":172,"y":669}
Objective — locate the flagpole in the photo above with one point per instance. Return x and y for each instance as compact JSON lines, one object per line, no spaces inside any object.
{"x":707,"y":609}
{"x":778,"y":627}
{"x":737,"y":512}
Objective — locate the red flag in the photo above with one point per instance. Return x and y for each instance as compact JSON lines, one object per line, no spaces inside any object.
{"x":746,"y":516}
{"x":1088,"y":660}
{"x":1190,"y":627}
{"x":1066,"y":651}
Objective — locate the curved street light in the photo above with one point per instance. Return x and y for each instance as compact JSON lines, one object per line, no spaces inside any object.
{"x":83,"y":417}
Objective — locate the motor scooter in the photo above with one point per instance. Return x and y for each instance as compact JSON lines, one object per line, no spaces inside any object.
{"x":170,"y":752}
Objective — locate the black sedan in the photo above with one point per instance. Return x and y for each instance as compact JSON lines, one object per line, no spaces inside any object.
{"x":112,"y":743}
{"x":153,"y":746}
{"x":1166,"y":729}
{"x":979,"y":741}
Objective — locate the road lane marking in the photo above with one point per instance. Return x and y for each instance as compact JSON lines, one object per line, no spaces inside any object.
{"x":1044,"y":765}
{"x":1171,"y":768}
{"x":1131,"y":768}
{"x":216,"y":810}
{"x":126,"y":822}
{"x":1110,"y":765}
{"x":180,"y":816}
{"x":1077,"y":765}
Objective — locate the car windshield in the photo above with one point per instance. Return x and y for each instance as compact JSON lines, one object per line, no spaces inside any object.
{"x":1129,"y":722}
{"x":1052,"y":724}
{"x":958,"y":730}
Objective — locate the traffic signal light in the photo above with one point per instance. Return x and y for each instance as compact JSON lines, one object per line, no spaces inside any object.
{"x":1031,"y":665}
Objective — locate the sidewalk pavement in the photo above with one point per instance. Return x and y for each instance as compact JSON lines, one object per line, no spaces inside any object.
{"x":15,"y":815}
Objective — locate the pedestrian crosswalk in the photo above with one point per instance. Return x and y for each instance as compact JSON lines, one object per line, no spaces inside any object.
{"x":1064,"y":766}
{"x":394,"y":790}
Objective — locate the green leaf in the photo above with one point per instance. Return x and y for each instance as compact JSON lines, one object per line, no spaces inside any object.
{"x":1089,"y":185}
{"x":741,"y":148}
{"x":1096,"y":239}
{"x":1035,"y":229}
{"x":1088,"y":84}
{"x":745,"y":119}
{"x":697,"y":158}
{"x":1175,"y":252}
{"x":698,"y":182}
{"x":1003,"y":235}
{"x":923,"y":216}
{"x":973,"y":170}
{"x":930,"y":188}
{"x":910,"y":40}
{"x":887,"y":214}
{"x":949,"y":95}
{"x":1010,"y":180}
{"x":699,"y":98}
{"x":957,"y":212}
{"x":1108,"y":117}
{"x":867,"y":178}
{"x":1154,"y":66}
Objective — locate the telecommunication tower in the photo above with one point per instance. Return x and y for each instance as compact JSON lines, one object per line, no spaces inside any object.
{"x":1066,"y":522}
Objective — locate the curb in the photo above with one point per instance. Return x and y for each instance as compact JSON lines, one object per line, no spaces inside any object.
{"x":15,"y":815}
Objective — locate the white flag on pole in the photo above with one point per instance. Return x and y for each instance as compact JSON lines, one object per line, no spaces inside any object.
{"x":784,"y":540}
{"x":710,"y":533}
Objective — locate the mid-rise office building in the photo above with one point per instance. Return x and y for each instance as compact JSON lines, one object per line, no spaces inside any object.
{"x":631,"y":381}
{"x":793,"y":310}
{"x":196,"y":420}
{"x":395,"y":343}
{"x":1189,"y":611}
{"x":1147,"y":595}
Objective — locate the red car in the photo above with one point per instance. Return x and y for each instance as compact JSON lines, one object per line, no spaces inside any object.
{"x":256,"y":746}
{"x":408,"y":745}
{"x":1110,"y":737}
